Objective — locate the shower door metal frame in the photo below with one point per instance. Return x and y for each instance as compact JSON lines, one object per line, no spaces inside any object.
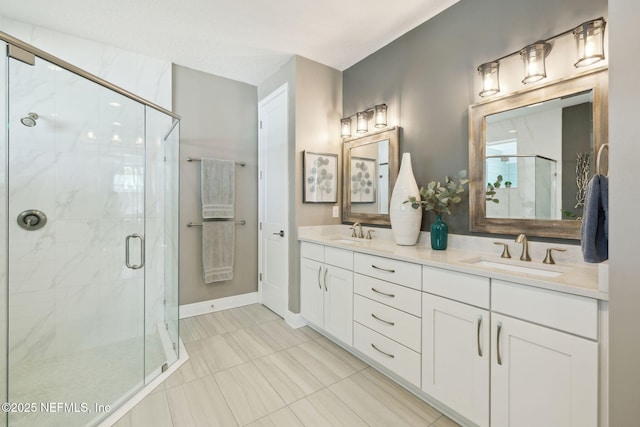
{"x":25,"y":47}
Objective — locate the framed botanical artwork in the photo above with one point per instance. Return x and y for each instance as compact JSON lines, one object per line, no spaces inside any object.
{"x":320,"y":172}
{"x":363,"y":178}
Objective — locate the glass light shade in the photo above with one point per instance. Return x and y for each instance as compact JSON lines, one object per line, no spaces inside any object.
{"x":361,"y":122}
{"x":490,"y":73}
{"x":533,"y":61}
{"x":381,"y":115}
{"x":345,"y":127}
{"x":590,"y":42}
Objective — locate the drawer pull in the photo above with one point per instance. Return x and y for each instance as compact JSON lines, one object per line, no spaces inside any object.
{"x":498,"y":343}
{"x":478,"y":335}
{"x":319,"y":271}
{"x":382,"y":269}
{"x":382,"y":320}
{"x":325,"y":279}
{"x":382,"y":293}
{"x":382,"y":352}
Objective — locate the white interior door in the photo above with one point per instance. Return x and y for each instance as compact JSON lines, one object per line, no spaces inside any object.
{"x":274,"y":233}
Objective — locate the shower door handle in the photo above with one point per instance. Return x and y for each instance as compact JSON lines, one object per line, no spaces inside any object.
{"x":126,"y":251}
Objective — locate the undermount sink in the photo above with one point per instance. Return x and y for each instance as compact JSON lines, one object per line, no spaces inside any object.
{"x":345,"y":241}
{"x":537,"y":271}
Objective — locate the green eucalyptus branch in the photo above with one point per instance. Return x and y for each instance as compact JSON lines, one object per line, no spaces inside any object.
{"x":440,"y":197}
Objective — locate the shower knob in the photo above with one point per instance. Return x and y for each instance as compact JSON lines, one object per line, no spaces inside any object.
{"x":32,"y":219}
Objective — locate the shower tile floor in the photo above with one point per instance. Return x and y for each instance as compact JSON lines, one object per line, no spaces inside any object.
{"x":248,"y":367}
{"x":52,"y":380}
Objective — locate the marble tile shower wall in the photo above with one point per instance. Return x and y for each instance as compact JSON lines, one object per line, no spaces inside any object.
{"x":143,"y":75}
{"x":64,"y":296}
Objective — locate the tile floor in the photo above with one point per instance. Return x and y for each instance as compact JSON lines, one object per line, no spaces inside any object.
{"x":248,"y":367}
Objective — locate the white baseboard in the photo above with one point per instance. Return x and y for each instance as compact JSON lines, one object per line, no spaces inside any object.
{"x":204,"y":307}
{"x":295,"y":320}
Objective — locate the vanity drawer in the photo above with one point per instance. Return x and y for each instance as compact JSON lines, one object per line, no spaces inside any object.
{"x":388,"y":353}
{"x":401,"y":272}
{"x":339,"y":257}
{"x":467,"y":288}
{"x":395,"y":324}
{"x":400,"y":297}
{"x":571,"y":313}
{"x":312,"y":251}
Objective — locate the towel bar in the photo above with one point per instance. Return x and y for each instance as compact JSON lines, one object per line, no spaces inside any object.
{"x":191,"y":224}
{"x":195,"y":159}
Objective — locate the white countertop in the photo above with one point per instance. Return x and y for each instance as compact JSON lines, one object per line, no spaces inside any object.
{"x":577,"y":277}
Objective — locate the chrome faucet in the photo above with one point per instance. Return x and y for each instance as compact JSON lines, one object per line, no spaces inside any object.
{"x":358,"y":234}
{"x":525,"y":247}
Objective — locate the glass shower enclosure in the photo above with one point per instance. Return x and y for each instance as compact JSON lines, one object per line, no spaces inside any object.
{"x":88,"y":241}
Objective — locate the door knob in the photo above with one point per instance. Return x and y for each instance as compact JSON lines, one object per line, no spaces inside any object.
{"x":281,"y":233}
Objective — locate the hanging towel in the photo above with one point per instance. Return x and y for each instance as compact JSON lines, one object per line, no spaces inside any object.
{"x":594,"y":233}
{"x":217,"y":186}
{"x":218,"y":239}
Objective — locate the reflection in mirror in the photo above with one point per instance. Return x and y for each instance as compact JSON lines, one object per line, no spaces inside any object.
{"x":532,"y":153}
{"x":370,"y":168}
{"x":533,"y":156}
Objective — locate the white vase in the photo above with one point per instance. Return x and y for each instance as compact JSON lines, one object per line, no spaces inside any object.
{"x":405,"y":220}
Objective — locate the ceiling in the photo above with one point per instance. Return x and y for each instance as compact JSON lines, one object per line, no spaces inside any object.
{"x":244,"y":40}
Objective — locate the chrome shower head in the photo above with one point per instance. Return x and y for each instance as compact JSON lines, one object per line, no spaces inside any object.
{"x":30,"y":120}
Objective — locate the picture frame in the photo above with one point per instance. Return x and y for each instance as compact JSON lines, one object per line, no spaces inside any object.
{"x":320,"y":177}
{"x":362,"y":180}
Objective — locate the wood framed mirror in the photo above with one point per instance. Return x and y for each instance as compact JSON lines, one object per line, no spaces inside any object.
{"x":534,"y":151}
{"x":370,"y":168}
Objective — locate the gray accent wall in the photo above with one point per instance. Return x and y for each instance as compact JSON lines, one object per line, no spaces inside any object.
{"x":624,"y":205}
{"x":219,"y":120}
{"x":427,"y":76}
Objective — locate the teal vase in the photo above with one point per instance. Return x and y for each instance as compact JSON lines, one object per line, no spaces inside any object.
{"x":439,"y":234}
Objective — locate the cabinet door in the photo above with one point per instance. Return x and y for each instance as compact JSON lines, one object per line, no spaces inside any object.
{"x":338,"y":303}
{"x":455,"y":356}
{"x":541,"y":377}
{"x":311,"y":291}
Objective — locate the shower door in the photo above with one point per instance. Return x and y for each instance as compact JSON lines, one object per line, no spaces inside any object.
{"x":76,"y":283}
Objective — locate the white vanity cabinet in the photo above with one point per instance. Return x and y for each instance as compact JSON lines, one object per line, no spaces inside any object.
{"x":387,"y":313}
{"x":456,"y":342}
{"x":544,"y":370}
{"x":326,"y":289}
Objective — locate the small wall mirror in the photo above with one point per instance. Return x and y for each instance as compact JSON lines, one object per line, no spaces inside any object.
{"x":532,"y":154}
{"x":370,"y":169}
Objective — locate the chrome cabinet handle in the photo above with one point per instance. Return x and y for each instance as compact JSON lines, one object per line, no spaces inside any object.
{"x":498,"y":343}
{"x":382,"y":320}
{"x":382,"y":352}
{"x":382,"y":293}
{"x":478,"y":335}
{"x":126,"y":251}
{"x":319,"y":271}
{"x":325,"y":279}
{"x":382,"y":269}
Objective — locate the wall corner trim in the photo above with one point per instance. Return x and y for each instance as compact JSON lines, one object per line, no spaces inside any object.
{"x":210,"y":306}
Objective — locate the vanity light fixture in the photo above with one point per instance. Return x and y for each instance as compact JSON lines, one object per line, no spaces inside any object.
{"x":361,"y":122}
{"x":381,"y":115}
{"x":533,"y":60}
{"x":345,"y":127}
{"x":490,"y":72}
{"x":589,"y":37}
{"x":378,"y":112}
{"x":590,"y":42}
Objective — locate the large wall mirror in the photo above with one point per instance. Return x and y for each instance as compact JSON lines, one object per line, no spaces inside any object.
{"x":531,"y":155}
{"x":370,"y":169}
